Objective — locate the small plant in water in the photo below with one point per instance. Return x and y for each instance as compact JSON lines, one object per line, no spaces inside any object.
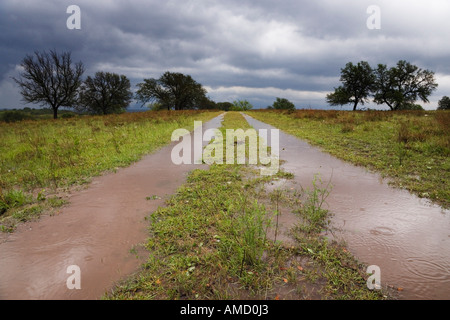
{"x":250,"y":233}
{"x":311,"y":211}
{"x":275,"y":196}
{"x":153,"y":197}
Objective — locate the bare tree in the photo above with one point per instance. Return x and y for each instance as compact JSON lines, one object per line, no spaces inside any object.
{"x":49,"y":79}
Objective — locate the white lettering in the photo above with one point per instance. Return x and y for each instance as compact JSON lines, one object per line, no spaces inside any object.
{"x":374,"y":20}
{"x":374,"y":281}
{"x":74,"y":21}
{"x":74,"y":281}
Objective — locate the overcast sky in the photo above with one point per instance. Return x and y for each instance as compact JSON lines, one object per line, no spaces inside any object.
{"x":237,"y":49}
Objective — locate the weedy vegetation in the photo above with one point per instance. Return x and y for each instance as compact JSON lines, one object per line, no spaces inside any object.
{"x":409,"y":148}
{"x":211,"y":241}
{"x":41,"y":160}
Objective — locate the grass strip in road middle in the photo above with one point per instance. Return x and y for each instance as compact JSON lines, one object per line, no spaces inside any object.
{"x":211,"y":242}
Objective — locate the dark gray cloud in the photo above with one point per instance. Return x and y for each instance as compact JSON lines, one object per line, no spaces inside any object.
{"x":255,"y":50}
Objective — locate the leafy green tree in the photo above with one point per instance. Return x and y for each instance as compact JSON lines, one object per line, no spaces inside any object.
{"x":49,"y":79}
{"x":241,"y":105}
{"x":206,"y":103}
{"x":402,"y":85}
{"x":105,"y":93}
{"x":444,"y":103}
{"x":172,"y":90}
{"x":225,"y":106}
{"x":282,"y":104}
{"x":357,"y":84}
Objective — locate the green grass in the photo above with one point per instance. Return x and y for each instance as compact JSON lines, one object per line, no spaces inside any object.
{"x":211,"y":242}
{"x":410,"y":148}
{"x":53,"y":155}
{"x":314,"y":218}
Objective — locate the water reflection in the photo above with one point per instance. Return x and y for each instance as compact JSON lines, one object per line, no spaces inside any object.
{"x":407,"y":237}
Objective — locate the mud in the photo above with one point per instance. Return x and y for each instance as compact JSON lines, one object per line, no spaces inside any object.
{"x":97,"y":231}
{"x":406,"y":236}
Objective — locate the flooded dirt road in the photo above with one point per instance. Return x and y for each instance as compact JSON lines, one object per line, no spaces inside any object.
{"x":95,"y":232}
{"x":407,"y":237}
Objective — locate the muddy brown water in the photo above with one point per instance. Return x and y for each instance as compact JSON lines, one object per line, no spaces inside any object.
{"x":96,"y":232}
{"x":406,"y":236}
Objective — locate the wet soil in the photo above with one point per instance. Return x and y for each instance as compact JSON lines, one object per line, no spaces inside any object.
{"x":406,"y":236}
{"x":98,"y":231}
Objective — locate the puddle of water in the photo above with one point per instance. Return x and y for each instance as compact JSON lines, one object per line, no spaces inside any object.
{"x":282,"y":222}
{"x":407,"y":237}
{"x":96,"y":232}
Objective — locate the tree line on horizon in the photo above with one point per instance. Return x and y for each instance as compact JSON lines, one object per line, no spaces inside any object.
{"x":398,"y":87}
{"x":51,"y":79}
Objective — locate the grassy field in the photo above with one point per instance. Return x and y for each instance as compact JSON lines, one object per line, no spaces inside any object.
{"x":218,"y":247}
{"x":41,"y":159}
{"x":410,"y":148}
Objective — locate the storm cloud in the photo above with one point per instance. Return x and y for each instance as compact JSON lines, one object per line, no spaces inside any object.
{"x":255,"y":50}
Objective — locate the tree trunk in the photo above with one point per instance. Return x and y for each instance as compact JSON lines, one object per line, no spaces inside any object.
{"x":55,"y":112}
{"x":389,"y":105}
{"x":355,"y":105}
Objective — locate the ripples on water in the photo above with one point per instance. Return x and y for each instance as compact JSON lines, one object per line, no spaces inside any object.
{"x":407,"y":237}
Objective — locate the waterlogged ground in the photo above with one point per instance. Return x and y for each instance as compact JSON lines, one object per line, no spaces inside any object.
{"x":223,"y":236}
{"x":42,"y":160}
{"x":99,"y":231}
{"x":412,"y":148}
{"x":406,"y":236}
{"x":226,"y":232}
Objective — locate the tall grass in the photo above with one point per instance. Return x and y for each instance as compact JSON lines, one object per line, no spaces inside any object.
{"x":247,"y":233}
{"x":313,"y":216}
{"x":210,"y":242}
{"x":54,"y":154}
{"x":57,"y":153}
{"x":412,"y":148}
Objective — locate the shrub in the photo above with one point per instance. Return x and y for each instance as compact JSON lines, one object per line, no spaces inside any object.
{"x":12,"y":199}
{"x":410,"y":106}
{"x":67,"y":115}
{"x":14,"y":116}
